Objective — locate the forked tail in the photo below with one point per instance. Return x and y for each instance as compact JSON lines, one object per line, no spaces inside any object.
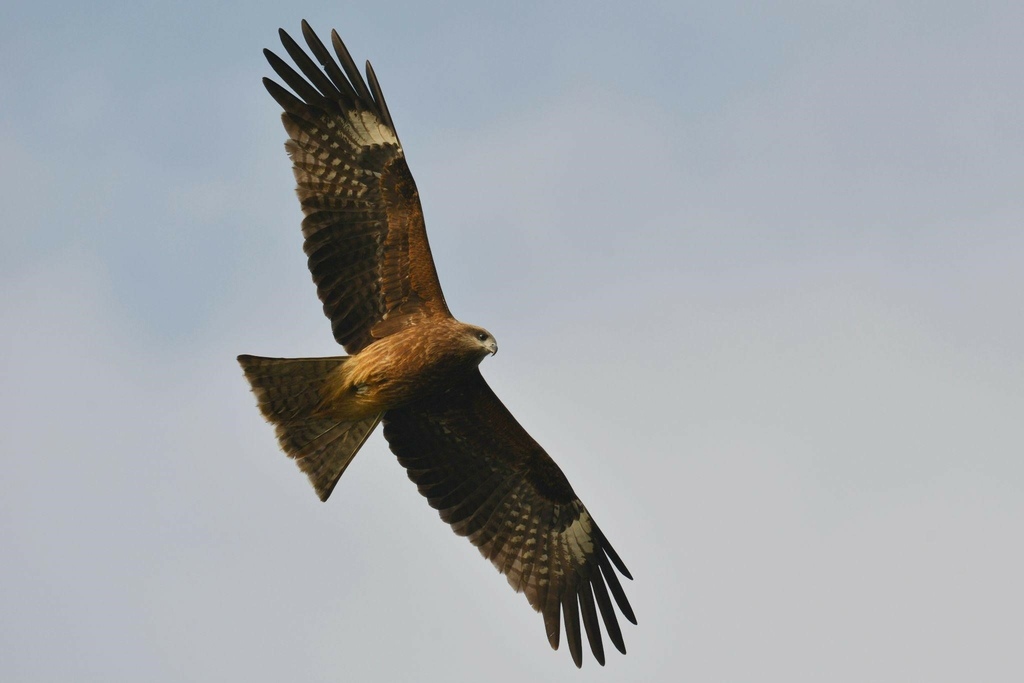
{"x":289,"y":391}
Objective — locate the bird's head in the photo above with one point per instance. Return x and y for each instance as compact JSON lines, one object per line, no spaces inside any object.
{"x":480,"y":340}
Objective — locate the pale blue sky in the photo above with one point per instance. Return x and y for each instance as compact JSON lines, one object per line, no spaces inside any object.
{"x":755,"y":270}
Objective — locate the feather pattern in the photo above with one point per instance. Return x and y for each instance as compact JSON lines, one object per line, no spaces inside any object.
{"x":290,"y":393}
{"x":495,"y":485}
{"x":365,"y":237}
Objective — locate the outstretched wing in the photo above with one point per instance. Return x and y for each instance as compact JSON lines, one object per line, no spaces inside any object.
{"x":495,"y":485}
{"x":364,"y":231}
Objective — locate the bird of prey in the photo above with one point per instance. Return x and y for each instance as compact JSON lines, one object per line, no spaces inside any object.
{"x":411,"y":364}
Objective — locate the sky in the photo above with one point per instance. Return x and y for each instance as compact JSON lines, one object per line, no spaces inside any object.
{"x":757,"y":275}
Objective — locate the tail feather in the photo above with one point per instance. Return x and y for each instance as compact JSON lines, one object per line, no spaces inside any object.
{"x":325,"y":457}
{"x":289,"y":392}
{"x":288,"y":388}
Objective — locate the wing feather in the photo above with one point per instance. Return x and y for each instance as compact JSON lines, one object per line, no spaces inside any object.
{"x":365,"y":237}
{"x":351,"y":70}
{"x":378,"y":95}
{"x":611,"y":622}
{"x":330,"y":66}
{"x":571,"y":613}
{"x":589,"y":613}
{"x":294,"y":81}
{"x":495,"y":485}
{"x":316,"y":77}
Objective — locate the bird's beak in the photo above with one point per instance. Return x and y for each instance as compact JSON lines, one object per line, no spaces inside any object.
{"x":493,"y":347}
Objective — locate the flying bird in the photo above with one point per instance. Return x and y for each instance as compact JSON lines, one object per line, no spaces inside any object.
{"x":411,"y":364}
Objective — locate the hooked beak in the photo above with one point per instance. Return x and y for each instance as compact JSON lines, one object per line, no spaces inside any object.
{"x":493,"y":347}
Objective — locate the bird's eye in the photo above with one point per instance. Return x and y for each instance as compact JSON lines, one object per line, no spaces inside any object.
{"x":482,"y":336}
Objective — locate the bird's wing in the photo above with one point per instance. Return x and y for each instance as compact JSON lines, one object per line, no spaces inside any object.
{"x":495,"y":485}
{"x":363,"y":226}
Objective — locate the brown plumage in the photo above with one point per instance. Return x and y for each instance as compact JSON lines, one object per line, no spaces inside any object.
{"x":412,"y":364}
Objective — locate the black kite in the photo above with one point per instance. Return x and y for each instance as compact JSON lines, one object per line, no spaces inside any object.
{"x":412,"y":364}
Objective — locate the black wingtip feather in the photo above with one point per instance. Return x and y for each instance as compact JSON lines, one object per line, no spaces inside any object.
{"x":378,"y":96}
{"x":351,"y":70}
{"x":309,"y":69}
{"x":320,"y":51}
{"x":552,"y":627}
{"x":571,"y":614}
{"x":611,"y":622}
{"x":288,"y":101}
{"x":589,"y":614}
{"x":616,"y":588}
{"x":616,"y":560}
{"x":294,"y":81}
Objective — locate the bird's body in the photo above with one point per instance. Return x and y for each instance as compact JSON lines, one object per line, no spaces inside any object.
{"x":411,"y":364}
{"x":404,"y":367}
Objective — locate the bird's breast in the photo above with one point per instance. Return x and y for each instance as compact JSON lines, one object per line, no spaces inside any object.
{"x":406,"y":366}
